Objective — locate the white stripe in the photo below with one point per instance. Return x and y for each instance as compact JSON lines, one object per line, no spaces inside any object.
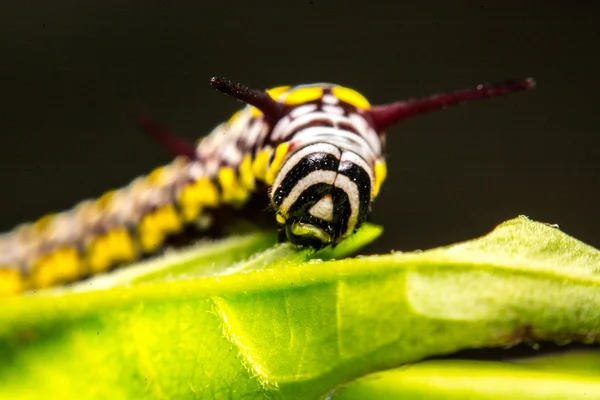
{"x":358,"y":160}
{"x":230,"y":153}
{"x":351,"y":189}
{"x":283,"y":130}
{"x":341,"y":138}
{"x":303,"y":184}
{"x":208,"y":144}
{"x":263,"y":133}
{"x":365,"y":130}
{"x":301,"y":110}
{"x":323,"y":209}
{"x":241,"y":120}
{"x":252,"y":136}
{"x":295,"y":158}
{"x":212,"y":167}
{"x":333,"y":109}
{"x":63,"y":228}
{"x":329,"y":99}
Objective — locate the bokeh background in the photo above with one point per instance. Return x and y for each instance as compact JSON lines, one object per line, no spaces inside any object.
{"x":74,"y":75}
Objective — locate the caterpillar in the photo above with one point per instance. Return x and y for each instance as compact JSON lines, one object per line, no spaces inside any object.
{"x":318,"y":149}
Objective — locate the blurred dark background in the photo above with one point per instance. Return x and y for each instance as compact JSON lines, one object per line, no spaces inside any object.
{"x":74,"y":75}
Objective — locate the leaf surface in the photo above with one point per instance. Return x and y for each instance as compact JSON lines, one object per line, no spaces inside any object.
{"x":287,"y":323}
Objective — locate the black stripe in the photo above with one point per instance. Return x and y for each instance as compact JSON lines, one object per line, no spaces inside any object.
{"x":307,"y":199}
{"x":318,"y":161}
{"x":299,"y":211}
{"x":360,"y":177}
{"x":341,"y":212}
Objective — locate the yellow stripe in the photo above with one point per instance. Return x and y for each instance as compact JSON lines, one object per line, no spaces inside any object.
{"x":232,"y":191}
{"x":246,"y":175}
{"x":197,"y":195}
{"x":169,"y":220}
{"x":351,"y":97}
{"x":122,"y":245}
{"x":275,"y":166}
{"x":277,"y":91}
{"x":380,"y":174}
{"x":156,"y":226}
{"x":156,"y":176}
{"x":261,"y":163}
{"x":302,"y":95}
{"x":255,"y":112}
{"x":98,"y":255}
{"x":150,"y":235}
{"x":107,"y":250}
{"x":61,"y":265}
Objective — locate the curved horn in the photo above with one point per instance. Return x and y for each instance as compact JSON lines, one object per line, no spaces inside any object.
{"x":260,"y":99}
{"x":178,"y":146}
{"x":386,"y":115}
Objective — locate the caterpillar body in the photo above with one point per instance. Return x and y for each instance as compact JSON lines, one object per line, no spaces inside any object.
{"x":317,"y":148}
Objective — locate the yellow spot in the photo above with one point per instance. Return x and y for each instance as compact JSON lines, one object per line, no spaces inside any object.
{"x":103,"y":201}
{"x":261,"y":163}
{"x":156,"y":226}
{"x":122,"y":245}
{"x":43,"y":222}
{"x":255,"y":112}
{"x":275,"y":166}
{"x":61,"y":265}
{"x":380,"y":174}
{"x":150,"y":236}
{"x":191,"y":211}
{"x":232,"y":191}
{"x":277,"y":91}
{"x":351,"y":97}
{"x":112,"y":248}
{"x":246,"y":175}
{"x":227,"y":180}
{"x":98,"y":255}
{"x":155,"y":177}
{"x":303,"y":95}
{"x":195,"y":196}
{"x":280,"y":219}
{"x":11,"y":281}
{"x":169,"y":219}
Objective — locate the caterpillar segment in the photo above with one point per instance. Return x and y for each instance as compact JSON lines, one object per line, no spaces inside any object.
{"x":318,"y":148}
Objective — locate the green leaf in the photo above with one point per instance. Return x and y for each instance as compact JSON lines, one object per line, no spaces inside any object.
{"x":286,"y":323}
{"x":462,"y":379}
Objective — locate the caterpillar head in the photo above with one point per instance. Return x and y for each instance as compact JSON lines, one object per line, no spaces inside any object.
{"x":322,"y":194}
{"x":324,"y":175}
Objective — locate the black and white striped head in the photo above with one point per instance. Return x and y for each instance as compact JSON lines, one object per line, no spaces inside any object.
{"x":326,"y":164}
{"x":322,"y":194}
